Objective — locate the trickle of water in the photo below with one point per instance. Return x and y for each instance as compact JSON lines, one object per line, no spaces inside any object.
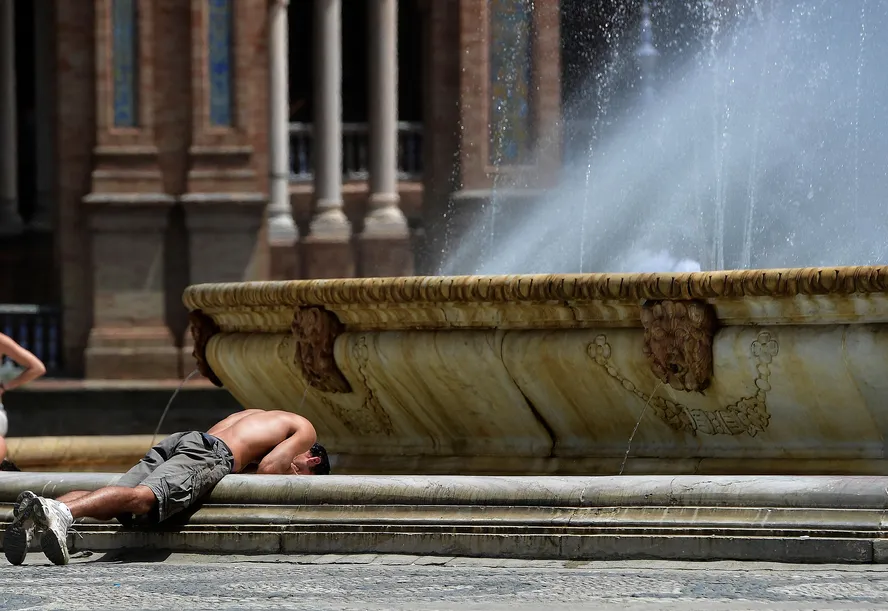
{"x":635,"y":430}
{"x":170,"y":402}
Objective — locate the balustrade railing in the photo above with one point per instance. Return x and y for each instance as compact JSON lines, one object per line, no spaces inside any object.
{"x":37,"y":328}
{"x":356,"y":151}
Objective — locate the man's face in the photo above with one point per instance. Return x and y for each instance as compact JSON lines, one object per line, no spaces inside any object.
{"x":304,"y":463}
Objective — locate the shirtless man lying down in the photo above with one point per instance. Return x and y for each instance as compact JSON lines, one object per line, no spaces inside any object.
{"x":174,"y":475}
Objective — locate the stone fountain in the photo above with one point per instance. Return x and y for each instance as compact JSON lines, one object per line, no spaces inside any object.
{"x":734,"y":372}
{"x":492,"y":416}
{"x":705,"y":415}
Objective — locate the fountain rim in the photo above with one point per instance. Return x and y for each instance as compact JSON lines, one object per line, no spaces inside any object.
{"x":632,"y":287}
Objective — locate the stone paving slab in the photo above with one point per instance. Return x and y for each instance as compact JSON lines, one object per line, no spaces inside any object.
{"x":181,"y":581}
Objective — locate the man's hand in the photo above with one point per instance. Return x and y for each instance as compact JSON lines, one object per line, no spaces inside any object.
{"x":276,"y":467}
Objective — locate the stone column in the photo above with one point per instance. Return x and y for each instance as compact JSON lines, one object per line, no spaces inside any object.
{"x":282,"y":232}
{"x":10,"y":221}
{"x":328,"y":252}
{"x":385,"y":241}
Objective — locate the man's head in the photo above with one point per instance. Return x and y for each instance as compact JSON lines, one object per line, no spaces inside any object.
{"x":313,"y":462}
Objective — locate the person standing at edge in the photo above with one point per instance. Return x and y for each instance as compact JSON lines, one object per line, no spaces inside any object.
{"x":174,"y":475}
{"x":33,"y":368}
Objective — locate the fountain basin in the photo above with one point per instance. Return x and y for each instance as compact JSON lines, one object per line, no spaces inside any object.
{"x":735,"y":372}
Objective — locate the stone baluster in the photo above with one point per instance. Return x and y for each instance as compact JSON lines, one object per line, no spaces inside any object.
{"x":385,"y":241}
{"x":281,"y":228}
{"x":282,"y":231}
{"x":328,"y":246}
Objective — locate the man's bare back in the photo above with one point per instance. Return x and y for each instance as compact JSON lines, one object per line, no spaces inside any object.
{"x":269,"y":438}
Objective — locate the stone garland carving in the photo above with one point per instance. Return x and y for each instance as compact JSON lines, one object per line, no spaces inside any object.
{"x":748,"y":415}
{"x":202,"y":329}
{"x":543,"y":288}
{"x":315,"y":331}
{"x":678,"y":342}
{"x":372,"y":418}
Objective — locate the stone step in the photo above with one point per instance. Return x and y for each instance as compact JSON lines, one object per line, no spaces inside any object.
{"x":788,"y":519}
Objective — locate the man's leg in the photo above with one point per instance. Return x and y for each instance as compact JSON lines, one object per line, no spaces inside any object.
{"x":111,"y":501}
{"x":55,"y":518}
{"x":72,"y":496}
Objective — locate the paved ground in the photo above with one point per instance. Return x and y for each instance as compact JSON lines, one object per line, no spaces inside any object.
{"x":322,"y":583}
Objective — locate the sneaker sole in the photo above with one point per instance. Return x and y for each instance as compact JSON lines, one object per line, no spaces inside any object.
{"x":15,"y":543}
{"x":15,"y":539}
{"x":53,"y":548}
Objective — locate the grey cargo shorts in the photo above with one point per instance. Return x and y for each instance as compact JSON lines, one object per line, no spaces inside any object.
{"x":180,"y":470}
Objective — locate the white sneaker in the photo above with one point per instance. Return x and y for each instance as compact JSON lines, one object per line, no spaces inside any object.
{"x":54,"y":519}
{"x":19,"y":533}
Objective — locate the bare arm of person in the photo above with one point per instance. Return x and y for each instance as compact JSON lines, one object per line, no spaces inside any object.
{"x":34,"y":367}
{"x":280,"y":460}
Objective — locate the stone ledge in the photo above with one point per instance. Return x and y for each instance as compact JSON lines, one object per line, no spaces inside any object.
{"x":560,"y":301}
{"x":526,"y":545}
{"x":542,"y":288}
{"x":799,"y":492}
{"x":775,"y":519}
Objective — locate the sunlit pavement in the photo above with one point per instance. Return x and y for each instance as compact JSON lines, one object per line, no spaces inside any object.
{"x":320,"y":583}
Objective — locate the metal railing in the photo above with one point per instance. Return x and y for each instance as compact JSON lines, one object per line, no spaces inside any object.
{"x":355,"y":151}
{"x":37,"y":328}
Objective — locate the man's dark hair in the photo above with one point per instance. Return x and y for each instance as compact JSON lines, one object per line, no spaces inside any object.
{"x":323,"y":467}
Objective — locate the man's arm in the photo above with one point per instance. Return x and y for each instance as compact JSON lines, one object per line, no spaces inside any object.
{"x":280,"y":460}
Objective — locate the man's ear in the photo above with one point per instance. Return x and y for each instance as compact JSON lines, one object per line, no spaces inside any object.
{"x":313,"y":460}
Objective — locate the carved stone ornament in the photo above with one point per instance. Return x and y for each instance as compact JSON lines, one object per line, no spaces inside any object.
{"x":202,"y":329}
{"x":314,"y":330}
{"x":678,"y":342}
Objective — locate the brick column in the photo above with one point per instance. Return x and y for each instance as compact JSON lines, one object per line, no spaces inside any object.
{"x":227,"y":183}
{"x":441,"y":129}
{"x":328,"y":250}
{"x":44,"y":99}
{"x":127,"y":207}
{"x":10,"y":221}
{"x":536,"y":134}
{"x":385,"y":245}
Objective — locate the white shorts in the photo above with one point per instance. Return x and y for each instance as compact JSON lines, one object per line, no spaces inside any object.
{"x":4,"y":423}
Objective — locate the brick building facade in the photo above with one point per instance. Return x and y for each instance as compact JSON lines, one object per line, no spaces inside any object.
{"x":154,"y":162}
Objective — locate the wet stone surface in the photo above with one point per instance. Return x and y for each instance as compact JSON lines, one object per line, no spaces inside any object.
{"x":402,"y":582}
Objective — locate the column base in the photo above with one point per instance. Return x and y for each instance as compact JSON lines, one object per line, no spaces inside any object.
{"x":130,"y":338}
{"x":285,"y":262}
{"x":385,"y":257}
{"x":126,"y":353}
{"x":325,"y":258}
{"x":223,"y":235}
